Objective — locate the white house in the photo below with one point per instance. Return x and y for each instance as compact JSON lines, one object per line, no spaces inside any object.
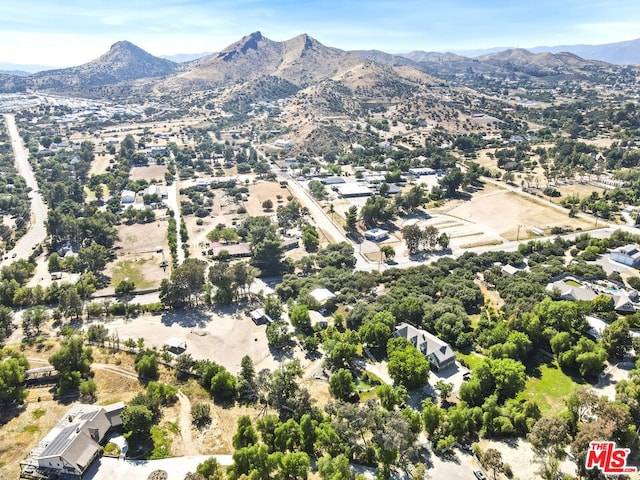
{"x":376,"y":234}
{"x":628,"y":255}
{"x":127,"y":197}
{"x":73,"y":444}
{"x":321,"y":295}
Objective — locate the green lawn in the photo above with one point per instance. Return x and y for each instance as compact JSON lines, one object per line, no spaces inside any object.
{"x":550,"y":389}
{"x":471,"y":359}
{"x":129,"y":270}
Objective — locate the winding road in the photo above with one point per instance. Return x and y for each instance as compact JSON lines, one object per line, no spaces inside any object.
{"x":37,"y":231}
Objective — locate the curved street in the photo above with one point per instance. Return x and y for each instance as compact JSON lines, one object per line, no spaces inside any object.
{"x":37,"y":231}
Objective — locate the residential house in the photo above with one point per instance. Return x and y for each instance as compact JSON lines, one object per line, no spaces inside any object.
{"x":628,"y":255}
{"x":321,"y":295}
{"x":69,"y":449}
{"x":439,"y":353}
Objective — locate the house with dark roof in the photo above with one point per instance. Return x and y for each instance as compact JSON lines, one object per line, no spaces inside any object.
{"x":69,"y":449}
{"x":439,"y":353}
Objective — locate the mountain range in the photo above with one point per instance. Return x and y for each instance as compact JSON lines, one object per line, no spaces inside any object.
{"x":286,"y":66}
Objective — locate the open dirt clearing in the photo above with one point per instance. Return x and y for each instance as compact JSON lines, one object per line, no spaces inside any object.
{"x":148,"y":173}
{"x":502,"y":212}
{"x":137,"y":253}
{"x":222,"y":337}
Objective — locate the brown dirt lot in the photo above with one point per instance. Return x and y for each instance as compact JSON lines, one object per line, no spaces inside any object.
{"x":503,"y":211}
{"x":148,"y":173}
{"x":136,"y":254}
{"x":260,"y":192}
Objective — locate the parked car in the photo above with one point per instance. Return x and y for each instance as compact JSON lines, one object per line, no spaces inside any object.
{"x":479,"y":475}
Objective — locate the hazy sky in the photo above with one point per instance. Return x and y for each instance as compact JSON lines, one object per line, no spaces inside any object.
{"x":71,"y":32}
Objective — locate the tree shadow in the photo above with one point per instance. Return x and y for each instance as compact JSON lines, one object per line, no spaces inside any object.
{"x":9,"y":411}
{"x":282,"y":354}
{"x":185,"y":318}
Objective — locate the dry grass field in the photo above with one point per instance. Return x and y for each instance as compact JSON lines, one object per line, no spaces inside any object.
{"x":148,"y":173}
{"x":502,"y":211}
{"x":137,"y":258}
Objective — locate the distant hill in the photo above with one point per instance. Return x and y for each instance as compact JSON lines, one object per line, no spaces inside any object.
{"x":618,"y":53}
{"x":384,"y":58}
{"x":185,"y":57}
{"x":301,"y":61}
{"x":123,"y":62}
{"x":20,"y":69}
{"x":17,"y":73}
{"x":536,"y":64}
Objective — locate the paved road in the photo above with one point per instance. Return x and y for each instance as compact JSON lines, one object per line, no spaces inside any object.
{"x":37,"y":232}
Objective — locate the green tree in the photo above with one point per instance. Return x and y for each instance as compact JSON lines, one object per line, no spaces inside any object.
{"x":408,"y":367}
{"x":13,"y":366}
{"x":137,"y":420}
{"x":387,"y":252}
{"x":375,"y":334}
{"x":300,"y":318}
{"x":210,"y":469}
{"x":412,"y":235}
{"x":295,"y":466}
{"x":6,"y":321}
{"x":223,"y":386}
{"x":277,"y":333}
{"x":247,"y":383}
{"x":221,"y":277}
{"x":341,"y":385}
{"x":32,"y":320}
{"x":88,"y":388}
{"x":616,"y":338}
{"x":245,"y":434}
{"x":445,"y":389}
{"x":72,"y":361}
{"x":273,"y":307}
{"x":351,"y":219}
{"x":147,"y":365}
{"x":268,"y":255}
{"x":390,"y":397}
{"x":336,"y":468}
{"x":93,"y":258}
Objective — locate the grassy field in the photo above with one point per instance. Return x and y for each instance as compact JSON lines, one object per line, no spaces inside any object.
{"x":550,"y":389}
{"x":130,"y":270}
{"x":470,"y":359}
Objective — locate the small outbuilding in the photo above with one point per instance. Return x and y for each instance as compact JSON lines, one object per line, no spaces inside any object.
{"x":376,"y":234}
{"x":260,"y":317}
{"x":175,"y":344}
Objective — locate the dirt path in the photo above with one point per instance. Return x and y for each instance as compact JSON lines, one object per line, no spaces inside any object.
{"x":188,"y":445}
{"x":98,"y":366}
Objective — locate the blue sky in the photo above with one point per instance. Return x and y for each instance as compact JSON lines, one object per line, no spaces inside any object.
{"x":70,"y":32}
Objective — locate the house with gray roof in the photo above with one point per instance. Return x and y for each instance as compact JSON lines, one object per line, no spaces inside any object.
{"x":73,"y":444}
{"x":628,"y":255}
{"x":439,"y":353}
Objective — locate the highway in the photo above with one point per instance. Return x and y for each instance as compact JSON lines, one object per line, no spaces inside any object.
{"x":37,"y":231}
